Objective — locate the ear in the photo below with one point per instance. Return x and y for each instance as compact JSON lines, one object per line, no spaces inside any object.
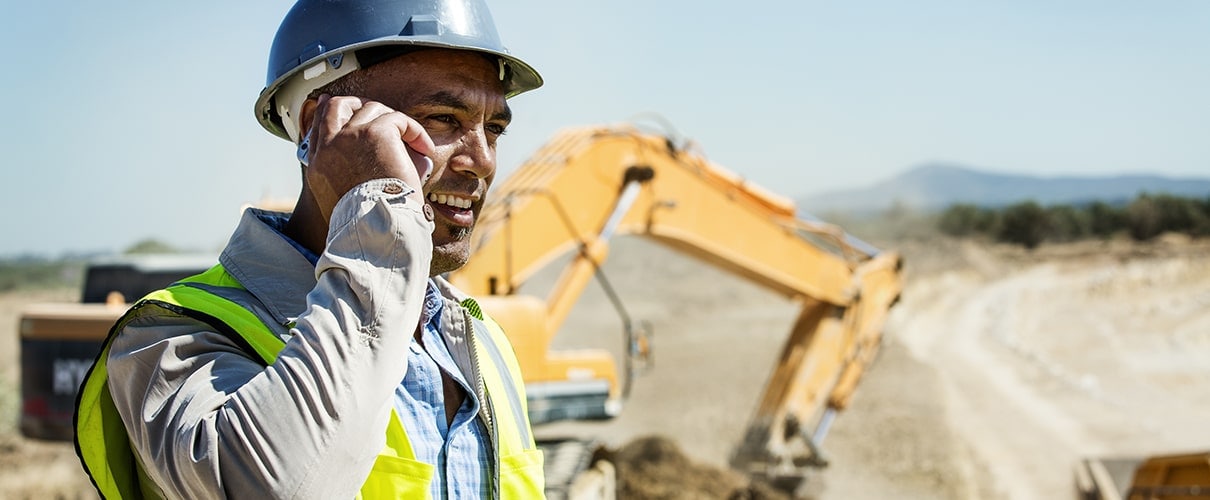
{"x":306,"y":117}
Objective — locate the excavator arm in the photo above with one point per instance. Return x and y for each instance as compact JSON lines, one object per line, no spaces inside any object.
{"x":588,"y":185}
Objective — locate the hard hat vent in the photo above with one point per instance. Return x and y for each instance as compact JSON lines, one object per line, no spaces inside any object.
{"x":309,"y":51}
{"x":422,"y":24}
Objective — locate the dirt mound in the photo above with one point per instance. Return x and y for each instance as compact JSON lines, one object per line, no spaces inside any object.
{"x":654,"y":467}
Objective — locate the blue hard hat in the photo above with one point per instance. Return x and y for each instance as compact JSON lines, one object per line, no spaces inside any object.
{"x":320,"y":41}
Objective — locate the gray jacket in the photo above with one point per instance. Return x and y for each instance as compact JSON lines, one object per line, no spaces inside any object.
{"x":206,"y":420}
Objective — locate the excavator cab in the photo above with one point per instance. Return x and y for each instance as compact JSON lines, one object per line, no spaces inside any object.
{"x":561,"y":385}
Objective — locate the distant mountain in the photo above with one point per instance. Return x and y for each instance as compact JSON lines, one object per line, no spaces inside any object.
{"x":936,"y":186}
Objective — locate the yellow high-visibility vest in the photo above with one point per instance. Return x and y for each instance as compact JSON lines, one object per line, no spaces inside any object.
{"x":104,"y":447}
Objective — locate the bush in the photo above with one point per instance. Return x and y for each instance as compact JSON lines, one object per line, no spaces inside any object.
{"x":1143,"y":218}
{"x":1105,"y":220}
{"x":1028,"y":223}
{"x":1183,"y":215}
{"x":1204,"y":228}
{"x":25,"y":275}
{"x":1066,"y":223}
{"x":152,"y":246}
{"x":1025,"y":224}
{"x":1149,"y":216}
{"x":966,"y":220}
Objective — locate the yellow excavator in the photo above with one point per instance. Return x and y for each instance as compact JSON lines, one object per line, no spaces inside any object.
{"x":588,"y":185}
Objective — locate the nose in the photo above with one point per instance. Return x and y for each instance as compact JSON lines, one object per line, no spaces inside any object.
{"x":476,"y":155}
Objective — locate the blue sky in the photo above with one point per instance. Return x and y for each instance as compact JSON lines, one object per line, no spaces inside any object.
{"x":132,"y":120}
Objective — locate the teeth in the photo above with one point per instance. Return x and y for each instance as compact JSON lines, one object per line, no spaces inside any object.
{"x":451,"y":200}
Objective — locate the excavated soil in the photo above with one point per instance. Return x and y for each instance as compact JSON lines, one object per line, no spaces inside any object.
{"x":1000,"y":369}
{"x":655,"y":467}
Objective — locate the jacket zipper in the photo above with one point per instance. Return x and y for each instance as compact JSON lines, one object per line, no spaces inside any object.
{"x":486,"y":403}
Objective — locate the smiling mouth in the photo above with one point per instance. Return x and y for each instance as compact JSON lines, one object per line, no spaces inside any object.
{"x":454,"y":209}
{"x":450,"y":200}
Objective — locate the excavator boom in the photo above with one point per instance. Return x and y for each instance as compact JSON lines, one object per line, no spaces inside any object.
{"x":588,"y":185}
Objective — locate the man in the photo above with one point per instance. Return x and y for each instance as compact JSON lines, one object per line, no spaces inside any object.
{"x":324,"y":357}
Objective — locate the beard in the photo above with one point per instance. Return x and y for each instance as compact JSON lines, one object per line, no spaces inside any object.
{"x":453,"y":254}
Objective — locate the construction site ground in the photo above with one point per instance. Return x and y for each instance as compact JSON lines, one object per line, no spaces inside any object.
{"x":1001,"y":367}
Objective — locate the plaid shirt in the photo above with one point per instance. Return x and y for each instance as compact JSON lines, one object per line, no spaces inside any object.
{"x":459,"y":451}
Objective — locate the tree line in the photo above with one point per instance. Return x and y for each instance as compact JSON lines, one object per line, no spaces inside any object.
{"x":1029,"y":223}
{"x":40,"y":272}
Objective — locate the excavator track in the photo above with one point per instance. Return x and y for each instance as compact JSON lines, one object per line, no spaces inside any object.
{"x":565,"y":462}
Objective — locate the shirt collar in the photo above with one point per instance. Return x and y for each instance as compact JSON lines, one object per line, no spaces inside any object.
{"x":433,"y":303}
{"x":269,"y":264}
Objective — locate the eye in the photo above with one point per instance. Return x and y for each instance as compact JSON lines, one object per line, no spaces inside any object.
{"x":496,"y":129}
{"x":442,"y":122}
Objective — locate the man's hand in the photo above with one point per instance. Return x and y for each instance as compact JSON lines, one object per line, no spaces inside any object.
{"x":354,"y":140}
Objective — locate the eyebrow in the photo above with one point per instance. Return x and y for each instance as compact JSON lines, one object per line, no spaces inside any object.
{"x":451,"y":100}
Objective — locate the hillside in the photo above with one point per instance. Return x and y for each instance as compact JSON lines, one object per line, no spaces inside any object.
{"x":936,"y":186}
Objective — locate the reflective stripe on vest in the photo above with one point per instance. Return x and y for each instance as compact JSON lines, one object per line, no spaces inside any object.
{"x":103,"y":445}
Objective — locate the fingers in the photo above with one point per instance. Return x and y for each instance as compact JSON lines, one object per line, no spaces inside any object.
{"x":414,"y":135}
{"x":365,"y":111}
{"x":359,"y":112}
{"x":331,"y":115}
{"x":353,"y":140}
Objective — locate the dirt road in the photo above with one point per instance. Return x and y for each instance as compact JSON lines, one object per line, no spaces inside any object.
{"x":1000,"y":368}
{"x":1090,"y":349}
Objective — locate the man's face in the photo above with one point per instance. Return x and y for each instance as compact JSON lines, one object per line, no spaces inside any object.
{"x":459,"y":99}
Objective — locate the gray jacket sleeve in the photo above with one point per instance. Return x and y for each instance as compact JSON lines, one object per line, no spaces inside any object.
{"x":207,"y":421}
